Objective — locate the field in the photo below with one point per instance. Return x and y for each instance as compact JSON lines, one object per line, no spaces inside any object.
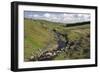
{"x":45,"y":40}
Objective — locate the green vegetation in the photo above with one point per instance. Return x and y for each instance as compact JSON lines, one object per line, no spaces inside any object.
{"x":39,"y":37}
{"x":80,"y":23}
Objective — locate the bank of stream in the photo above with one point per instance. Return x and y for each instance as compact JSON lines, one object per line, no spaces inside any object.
{"x":50,"y":55}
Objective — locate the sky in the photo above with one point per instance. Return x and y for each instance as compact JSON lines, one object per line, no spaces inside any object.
{"x":62,"y":17}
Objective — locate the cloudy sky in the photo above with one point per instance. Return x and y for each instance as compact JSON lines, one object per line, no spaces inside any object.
{"x":62,"y":17}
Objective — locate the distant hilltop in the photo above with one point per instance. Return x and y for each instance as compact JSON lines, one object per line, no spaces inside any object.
{"x":65,"y":24}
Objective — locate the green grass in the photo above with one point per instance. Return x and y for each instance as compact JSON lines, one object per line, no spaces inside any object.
{"x":36,"y":37}
{"x":80,"y":34}
{"x":38,"y":34}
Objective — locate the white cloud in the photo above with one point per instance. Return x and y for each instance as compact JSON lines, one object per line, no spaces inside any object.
{"x":61,"y":17}
{"x":35,"y":15}
{"x":80,"y":15}
{"x":67,"y":17}
{"x":30,"y":16}
{"x":72,"y":18}
{"x":47,"y":15}
{"x":87,"y":16}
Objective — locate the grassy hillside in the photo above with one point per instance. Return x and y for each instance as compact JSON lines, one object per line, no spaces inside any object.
{"x":79,"y":37}
{"x":39,"y":37}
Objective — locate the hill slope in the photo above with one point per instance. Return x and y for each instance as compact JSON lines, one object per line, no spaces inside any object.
{"x":39,"y":37}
